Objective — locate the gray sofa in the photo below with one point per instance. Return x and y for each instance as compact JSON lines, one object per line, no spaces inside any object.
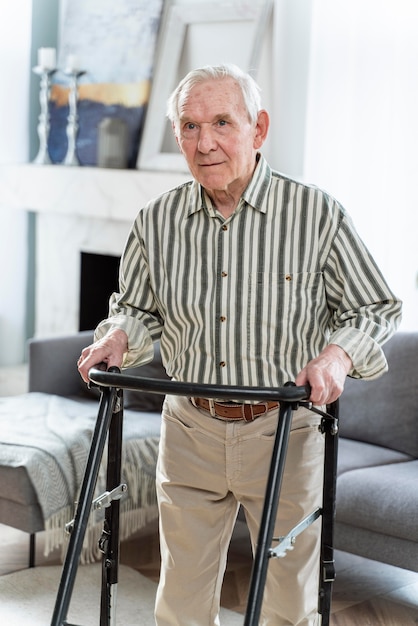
{"x":377,"y":485}
{"x":55,"y":385}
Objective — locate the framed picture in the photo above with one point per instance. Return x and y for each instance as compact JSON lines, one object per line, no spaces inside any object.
{"x":193,"y":34}
{"x":115,"y":44}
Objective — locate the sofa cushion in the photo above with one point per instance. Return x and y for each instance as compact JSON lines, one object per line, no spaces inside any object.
{"x":383,"y":499}
{"x":376,"y":546}
{"x":385,"y":411}
{"x":357,"y":454}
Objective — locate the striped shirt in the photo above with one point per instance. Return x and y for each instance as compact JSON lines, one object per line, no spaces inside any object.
{"x":249,"y":300}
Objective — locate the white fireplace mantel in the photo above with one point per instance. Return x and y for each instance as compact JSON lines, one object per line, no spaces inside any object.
{"x":82,"y":191}
{"x":78,"y":209}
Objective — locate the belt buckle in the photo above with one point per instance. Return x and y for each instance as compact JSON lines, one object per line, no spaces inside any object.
{"x":212,"y":407}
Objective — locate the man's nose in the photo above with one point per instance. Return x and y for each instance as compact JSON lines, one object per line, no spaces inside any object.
{"x":207,"y":140}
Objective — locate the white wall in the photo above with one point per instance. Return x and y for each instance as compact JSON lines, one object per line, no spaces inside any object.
{"x":362,"y":128}
{"x":25,"y":25}
{"x":15,"y":38}
{"x":284,"y":78}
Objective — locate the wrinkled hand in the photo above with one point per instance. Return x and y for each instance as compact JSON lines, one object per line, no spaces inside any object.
{"x":326,"y":375}
{"x":110,"y":350}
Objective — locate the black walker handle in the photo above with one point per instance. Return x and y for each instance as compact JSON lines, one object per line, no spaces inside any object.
{"x":289,"y":393}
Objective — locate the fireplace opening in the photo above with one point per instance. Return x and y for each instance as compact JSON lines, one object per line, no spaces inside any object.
{"x":98,"y":279}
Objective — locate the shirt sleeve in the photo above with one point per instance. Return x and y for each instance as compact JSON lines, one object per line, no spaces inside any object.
{"x":365,"y":312}
{"x":134,"y":309}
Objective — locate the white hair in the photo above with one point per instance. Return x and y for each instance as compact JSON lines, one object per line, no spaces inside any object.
{"x":249,"y":88}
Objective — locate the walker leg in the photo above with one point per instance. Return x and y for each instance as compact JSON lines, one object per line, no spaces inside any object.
{"x":268,"y":519}
{"x":84,"y":508}
{"x":329,"y":426}
{"x":327,"y":571}
{"x":109,"y":544}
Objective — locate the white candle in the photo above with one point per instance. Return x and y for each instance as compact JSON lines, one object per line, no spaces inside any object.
{"x":47,"y":58}
{"x":72,"y":63}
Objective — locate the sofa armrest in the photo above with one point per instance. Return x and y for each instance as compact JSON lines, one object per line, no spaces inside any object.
{"x":53,"y":363}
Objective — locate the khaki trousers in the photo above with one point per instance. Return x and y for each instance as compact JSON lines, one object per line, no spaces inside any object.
{"x":207,"y":467}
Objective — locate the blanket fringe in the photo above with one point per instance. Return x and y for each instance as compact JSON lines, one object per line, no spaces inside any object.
{"x":138,"y":506}
{"x":130,"y":522}
{"x":55,"y":533}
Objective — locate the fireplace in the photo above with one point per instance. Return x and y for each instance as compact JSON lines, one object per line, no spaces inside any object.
{"x":98,"y":279}
{"x":78,"y":210}
{"x":76,"y":271}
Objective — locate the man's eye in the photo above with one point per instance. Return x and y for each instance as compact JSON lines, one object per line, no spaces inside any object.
{"x":190,"y":126}
{"x":222,"y":122}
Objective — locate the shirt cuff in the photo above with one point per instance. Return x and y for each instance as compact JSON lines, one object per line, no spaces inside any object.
{"x":140,"y":343}
{"x":366,"y":354}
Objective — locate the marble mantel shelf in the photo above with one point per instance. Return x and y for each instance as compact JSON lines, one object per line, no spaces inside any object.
{"x":94,"y":192}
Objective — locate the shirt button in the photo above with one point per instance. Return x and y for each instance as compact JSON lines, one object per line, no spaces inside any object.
{"x":224,"y":227}
{"x":224,"y":274}
{"x":222,"y":318}
{"x":288,"y":277}
{"x":222,"y":364}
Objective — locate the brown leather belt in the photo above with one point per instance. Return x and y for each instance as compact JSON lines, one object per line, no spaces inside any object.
{"x":221,"y":410}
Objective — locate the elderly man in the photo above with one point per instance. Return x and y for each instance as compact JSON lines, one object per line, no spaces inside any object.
{"x":248,"y":278}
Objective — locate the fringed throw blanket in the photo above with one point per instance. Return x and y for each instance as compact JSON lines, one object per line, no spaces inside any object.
{"x":50,"y":436}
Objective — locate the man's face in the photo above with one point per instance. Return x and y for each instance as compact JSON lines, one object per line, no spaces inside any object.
{"x":216,"y":136}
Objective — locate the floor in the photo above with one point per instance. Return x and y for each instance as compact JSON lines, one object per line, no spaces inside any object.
{"x":13,"y":380}
{"x":365,"y":593}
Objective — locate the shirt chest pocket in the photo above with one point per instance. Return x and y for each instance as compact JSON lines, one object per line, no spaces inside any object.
{"x":282,"y":306}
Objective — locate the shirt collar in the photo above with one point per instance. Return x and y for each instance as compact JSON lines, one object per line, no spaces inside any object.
{"x":255,"y":194}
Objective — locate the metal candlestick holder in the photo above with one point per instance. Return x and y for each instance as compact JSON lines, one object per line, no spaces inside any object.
{"x":72,"y":120}
{"x":43,"y":121}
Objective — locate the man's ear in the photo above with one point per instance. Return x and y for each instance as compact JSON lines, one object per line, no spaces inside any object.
{"x":173,"y":128}
{"x":261,"y":128}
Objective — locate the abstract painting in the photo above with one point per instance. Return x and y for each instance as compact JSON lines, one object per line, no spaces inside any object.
{"x":114,"y":44}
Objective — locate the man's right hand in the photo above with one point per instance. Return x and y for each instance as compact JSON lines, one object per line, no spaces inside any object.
{"x":109,"y":349}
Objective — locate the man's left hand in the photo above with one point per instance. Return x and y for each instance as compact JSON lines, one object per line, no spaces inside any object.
{"x":326,"y":375}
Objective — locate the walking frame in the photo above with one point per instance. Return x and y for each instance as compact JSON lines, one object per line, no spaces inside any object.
{"x":109,"y":426}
